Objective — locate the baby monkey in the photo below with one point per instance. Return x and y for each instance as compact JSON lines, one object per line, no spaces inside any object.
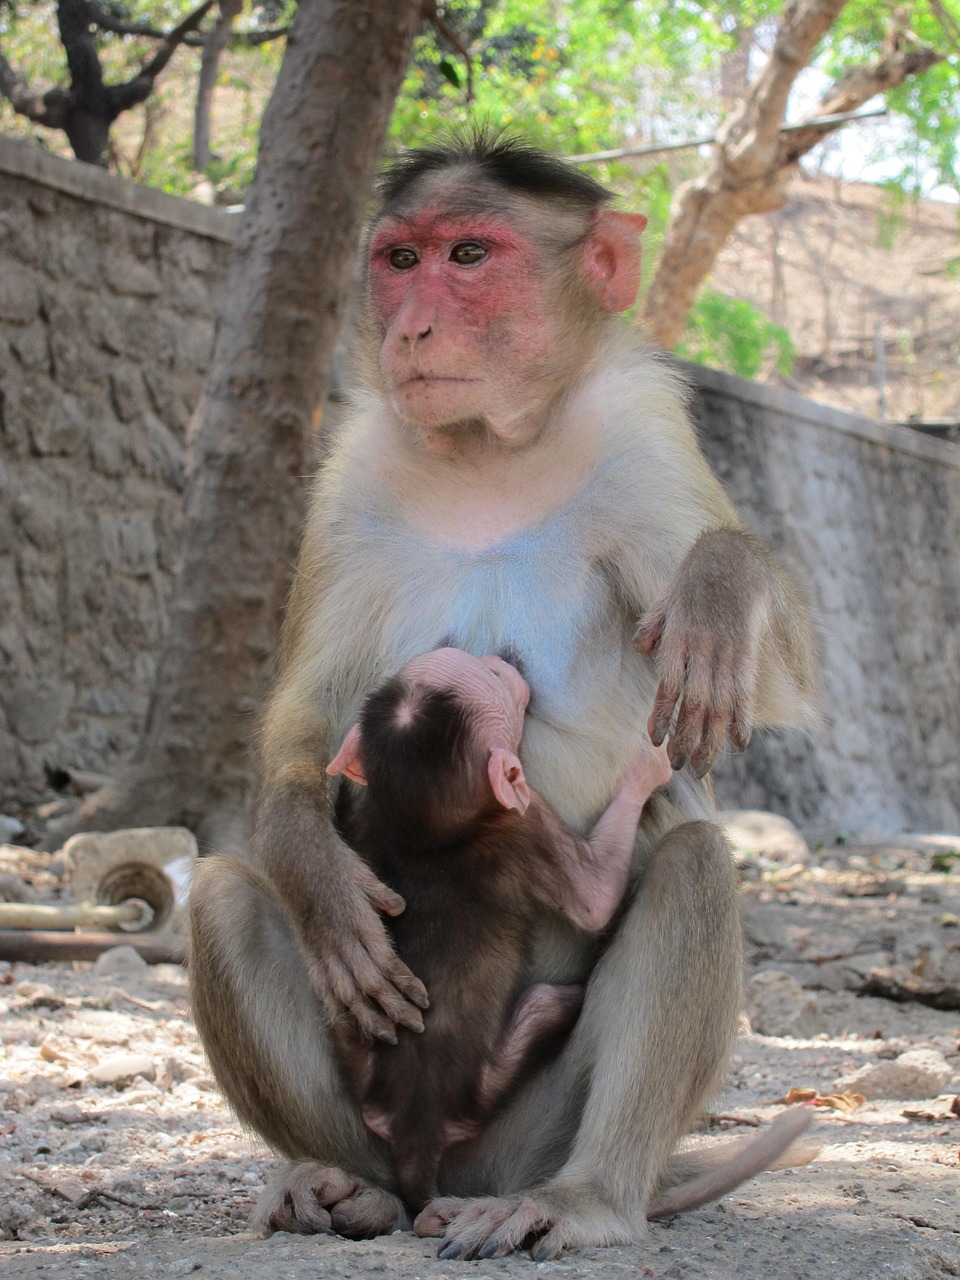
{"x":449,"y":821}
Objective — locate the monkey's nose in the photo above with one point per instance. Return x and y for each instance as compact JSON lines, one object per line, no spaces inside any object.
{"x":416,"y":336}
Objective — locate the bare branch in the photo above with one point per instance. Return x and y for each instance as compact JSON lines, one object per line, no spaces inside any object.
{"x":857,"y":86}
{"x":107,"y":21}
{"x":118,"y":26}
{"x":657,"y":148}
{"x":451,"y":37}
{"x":750,"y":138}
{"x":254,"y":38}
{"x":137,"y":90}
{"x":49,"y":108}
{"x":175,"y":39}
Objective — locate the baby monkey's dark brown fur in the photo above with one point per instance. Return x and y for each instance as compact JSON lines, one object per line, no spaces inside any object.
{"x":448,"y":822}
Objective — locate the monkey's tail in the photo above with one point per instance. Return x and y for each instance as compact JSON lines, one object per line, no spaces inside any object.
{"x":777,"y":1147}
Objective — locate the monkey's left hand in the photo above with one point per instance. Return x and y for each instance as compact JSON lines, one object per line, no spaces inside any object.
{"x":706,"y":627}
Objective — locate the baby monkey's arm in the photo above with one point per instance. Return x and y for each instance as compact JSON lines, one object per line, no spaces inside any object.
{"x":585,"y":877}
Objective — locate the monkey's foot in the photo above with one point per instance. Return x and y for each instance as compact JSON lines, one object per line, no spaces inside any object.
{"x":548,"y":1221}
{"x":308,"y":1197}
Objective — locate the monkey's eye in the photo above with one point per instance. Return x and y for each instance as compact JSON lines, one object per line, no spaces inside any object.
{"x":467,"y":253}
{"x":402,"y":259}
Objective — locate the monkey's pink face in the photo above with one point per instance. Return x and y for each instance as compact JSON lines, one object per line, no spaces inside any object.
{"x":463,"y":313}
{"x":495,"y":691}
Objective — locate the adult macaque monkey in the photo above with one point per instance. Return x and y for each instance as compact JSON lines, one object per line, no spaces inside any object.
{"x":520,"y":477}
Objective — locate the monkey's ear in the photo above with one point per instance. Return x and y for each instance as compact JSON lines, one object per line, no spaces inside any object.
{"x":507,"y":781}
{"x":611,"y":258}
{"x":347,"y":760}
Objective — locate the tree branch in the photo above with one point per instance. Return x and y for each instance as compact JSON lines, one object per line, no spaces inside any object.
{"x":107,"y":21}
{"x":123,"y":96}
{"x":749,"y":141}
{"x":855,"y":87}
{"x":451,"y":37}
{"x":49,"y":108}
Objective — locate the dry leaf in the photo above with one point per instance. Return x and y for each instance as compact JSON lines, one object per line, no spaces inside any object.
{"x":799,"y":1095}
{"x":842,"y":1101}
{"x":836,"y":1101}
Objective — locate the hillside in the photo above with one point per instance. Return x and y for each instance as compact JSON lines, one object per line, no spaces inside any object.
{"x":835,"y":264}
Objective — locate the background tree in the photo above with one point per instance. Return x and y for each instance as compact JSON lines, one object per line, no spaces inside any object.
{"x":753,"y":159}
{"x":252,"y":437}
{"x":87,"y":108}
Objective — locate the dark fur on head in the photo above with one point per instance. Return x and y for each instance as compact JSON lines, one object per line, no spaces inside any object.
{"x":423,"y":776}
{"x":506,"y":161}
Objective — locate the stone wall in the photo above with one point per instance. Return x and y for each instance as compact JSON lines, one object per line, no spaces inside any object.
{"x":867,"y":517}
{"x":108,"y":298}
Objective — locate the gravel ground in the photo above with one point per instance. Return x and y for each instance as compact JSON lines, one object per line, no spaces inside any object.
{"x":118,"y":1157}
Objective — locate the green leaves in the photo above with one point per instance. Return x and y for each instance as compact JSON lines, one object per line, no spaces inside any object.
{"x":731,"y":334}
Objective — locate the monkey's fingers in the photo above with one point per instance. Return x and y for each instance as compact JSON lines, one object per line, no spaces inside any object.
{"x":432,"y":1220}
{"x":338,"y":991}
{"x":669,"y":692}
{"x":376,"y":981}
{"x":387,"y":963}
{"x":703,"y":758}
{"x":382,"y":898}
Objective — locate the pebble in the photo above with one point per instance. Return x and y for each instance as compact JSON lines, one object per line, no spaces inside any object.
{"x":919,"y":1073}
{"x":69,"y":1115}
{"x":10,"y":828}
{"x":121,"y":1068}
{"x":121,"y":962}
{"x":14,"y":1216}
{"x":780,"y":1006}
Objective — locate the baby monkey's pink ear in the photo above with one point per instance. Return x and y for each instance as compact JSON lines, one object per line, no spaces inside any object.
{"x":347,"y":760}
{"x":507,"y":781}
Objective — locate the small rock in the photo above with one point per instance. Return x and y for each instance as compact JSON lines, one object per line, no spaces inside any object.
{"x":121,"y":962}
{"x":14,"y":1215}
{"x":10,"y":828}
{"x":780,"y":1006}
{"x":756,"y":831}
{"x":35,"y":991}
{"x":121,"y":1068}
{"x":864,"y":962}
{"x":13,"y":889}
{"x":127,"y":1184}
{"x":68,"y":1115}
{"x":920,"y":1073}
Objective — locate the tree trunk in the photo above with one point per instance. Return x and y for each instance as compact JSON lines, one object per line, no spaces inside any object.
{"x":88,"y":119}
{"x":251,"y":443}
{"x":213,"y":48}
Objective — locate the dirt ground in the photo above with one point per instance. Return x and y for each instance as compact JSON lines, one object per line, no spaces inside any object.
{"x":118,"y":1157}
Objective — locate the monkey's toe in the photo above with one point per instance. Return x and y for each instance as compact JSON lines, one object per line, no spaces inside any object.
{"x":371,"y":1211}
{"x":299,"y":1198}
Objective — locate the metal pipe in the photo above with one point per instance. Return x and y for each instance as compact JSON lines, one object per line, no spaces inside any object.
{"x":33,"y":946}
{"x":80,"y":915}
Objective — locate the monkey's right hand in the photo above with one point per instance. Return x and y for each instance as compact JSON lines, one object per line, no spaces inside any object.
{"x":353,"y":968}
